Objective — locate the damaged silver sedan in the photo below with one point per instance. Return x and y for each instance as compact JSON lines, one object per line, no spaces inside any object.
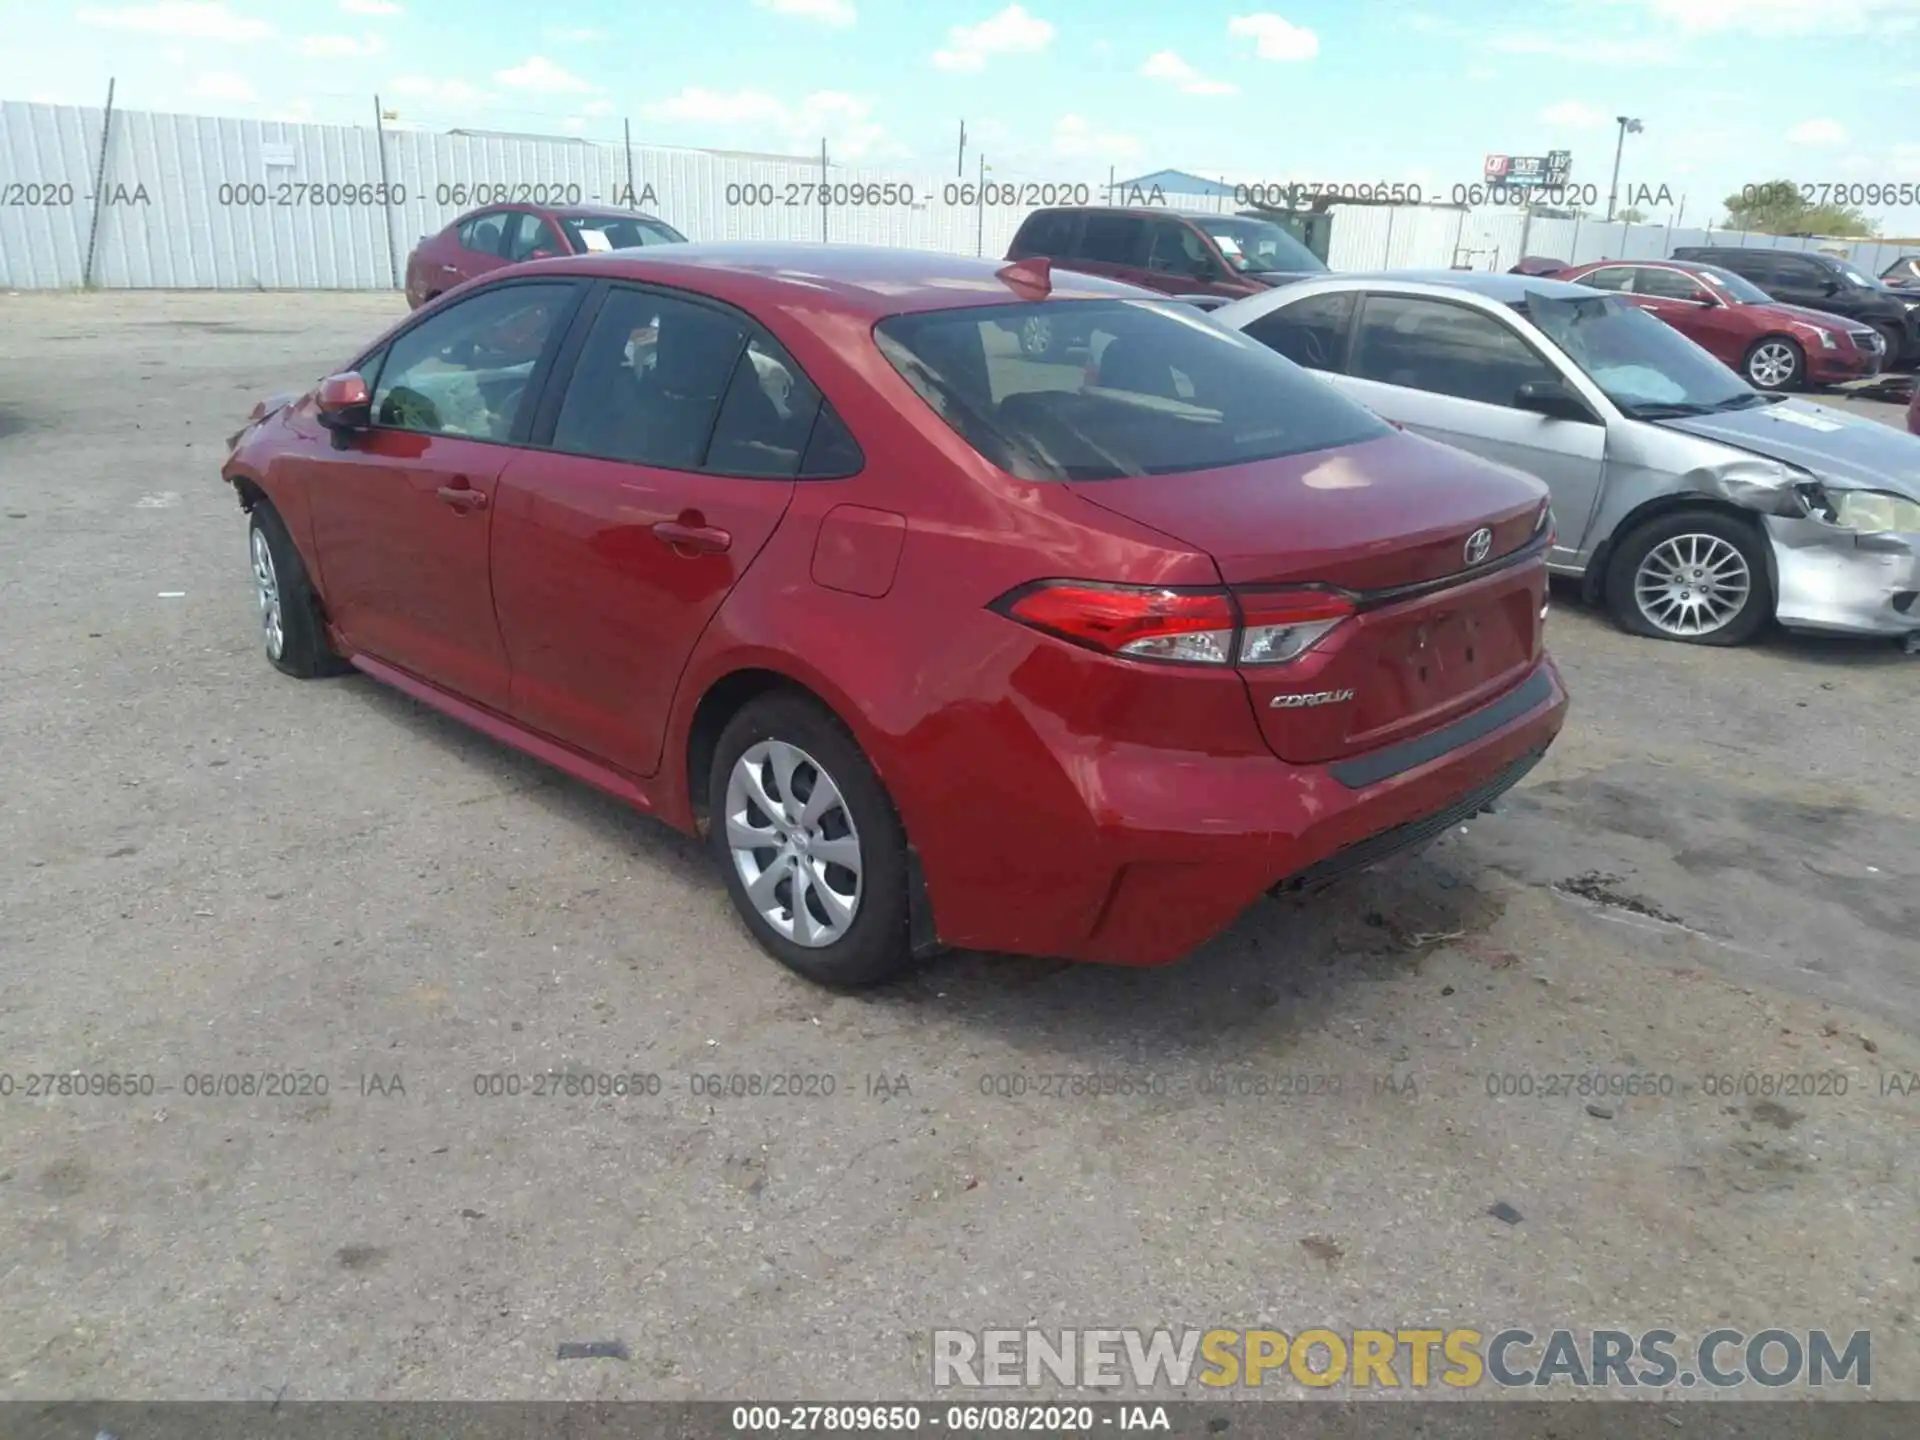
{"x":1696,"y":507}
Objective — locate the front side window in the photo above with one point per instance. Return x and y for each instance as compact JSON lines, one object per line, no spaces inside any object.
{"x":465,"y":371}
{"x":526,"y":233}
{"x":1260,"y":247}
{"x":1177,"y":250}
{"x":1308,"y":332}
{"x":591,"y":233}
{"x":649,"y":382}
{"x":1162,"y":390}
{"x":1444,"y":349}
{"x":1644,"y":365}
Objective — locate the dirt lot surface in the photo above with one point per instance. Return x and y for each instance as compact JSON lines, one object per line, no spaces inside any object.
{"x":214,"y":871}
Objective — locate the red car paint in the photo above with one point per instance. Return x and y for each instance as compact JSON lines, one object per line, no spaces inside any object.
{"x":1061,"y":801}
{"x":463,"y":250}
{"x":1729,"y":329}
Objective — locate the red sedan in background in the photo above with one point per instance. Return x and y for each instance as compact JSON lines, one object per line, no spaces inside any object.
{"x":500,"y":235}
{"x":936,"y":644}
{"x":1774,"y":346}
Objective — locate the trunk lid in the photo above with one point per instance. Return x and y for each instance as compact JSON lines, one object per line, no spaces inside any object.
{"x":1389,"y":522}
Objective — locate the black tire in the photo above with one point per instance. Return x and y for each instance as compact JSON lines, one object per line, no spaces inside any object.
{"x":302,"y":651}
{"x":875,"y":945}
{"x":1896,"y":339}
{"x":1623,"y":567}
{"x":1037,"y":338}
{"x":1772,"y":346}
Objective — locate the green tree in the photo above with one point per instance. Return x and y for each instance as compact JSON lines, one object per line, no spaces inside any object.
{"x":1778,"y":207}
{"x":1633,"y":215}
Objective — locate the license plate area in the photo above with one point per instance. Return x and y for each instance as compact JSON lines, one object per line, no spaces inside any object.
{"x":1444,"y":655}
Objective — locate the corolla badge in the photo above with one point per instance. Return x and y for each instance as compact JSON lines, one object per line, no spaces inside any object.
{"x":1320,"y":697}
{"x":1478,"y":544}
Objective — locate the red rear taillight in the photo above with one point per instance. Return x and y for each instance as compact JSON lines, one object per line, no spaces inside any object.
{"x":1192,"y":627}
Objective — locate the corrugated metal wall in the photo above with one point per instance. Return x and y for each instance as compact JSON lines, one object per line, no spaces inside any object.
{"x":193,"y":202}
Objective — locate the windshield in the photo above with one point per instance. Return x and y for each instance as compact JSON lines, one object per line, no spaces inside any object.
{"x":1123,"y":387}
{"x":1741,"y":290}
{"x":1642,"y":363}
{"x":1857,"y":278}
{"x":1259,"y":247}
{"x":617,"y":232}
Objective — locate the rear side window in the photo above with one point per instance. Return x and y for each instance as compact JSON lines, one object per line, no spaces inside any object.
{"x":1114,"y":240}
{"x":1611,"y":277}
{"x":1047,"y":232}
{"x":767,"y":416}
{"x":1665,"y":284}
{"x":1150,"y":389}
{"x":1310,"y":332}
{"x":484,"y":233}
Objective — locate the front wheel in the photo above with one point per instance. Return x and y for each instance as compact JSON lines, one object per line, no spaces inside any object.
{"x":292,"y":631}
{"x":1775,"y":363}
{"x":813,"y":853}
{"x":1698,"y":576}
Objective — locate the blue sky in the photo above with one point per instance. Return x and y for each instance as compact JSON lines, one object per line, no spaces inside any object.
{"x":1336,"y":91}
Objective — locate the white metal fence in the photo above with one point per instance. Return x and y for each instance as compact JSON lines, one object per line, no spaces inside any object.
{"x":140,"y":200}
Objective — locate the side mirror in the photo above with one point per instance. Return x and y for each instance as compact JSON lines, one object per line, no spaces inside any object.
{"x":1704,"y":296}
{"x":345,"y":406}
{"x":1829,"y":287}
{"x":543,"y":254}
{"x":1554,"y":400}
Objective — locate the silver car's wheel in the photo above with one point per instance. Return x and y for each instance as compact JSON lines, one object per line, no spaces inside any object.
{"x":794,"y":843}
{"x":1692,"y":585}
{"x":1036,"y":337}
{"x":266,"y":584}
{"x":1773,"y":365}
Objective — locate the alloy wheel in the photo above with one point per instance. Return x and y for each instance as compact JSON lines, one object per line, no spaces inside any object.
{"x":1772,"y":365}
{"x":1036,"y":336}
{"x":793,"y":843}
{"x":266,"y":584}
{"x":1692,"y":584}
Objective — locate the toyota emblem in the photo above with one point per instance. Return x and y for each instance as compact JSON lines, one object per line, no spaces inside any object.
{"x":1478,"y":544}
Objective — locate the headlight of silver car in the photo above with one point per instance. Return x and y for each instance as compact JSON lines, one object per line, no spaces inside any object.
{"x":1865,"y":512}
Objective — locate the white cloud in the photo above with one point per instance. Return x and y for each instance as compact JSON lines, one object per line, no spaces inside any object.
{"x":1788,"y":17}
{"x":328,"y":46}
{"x":827,"y":12}
{"x":186,"y":19}
{"x":714,"y":107}
{"x":1274,"y":38}
{"x":432,"y":88}
{"x":1012,"y":32}
{"x":370,"y":7}
{"x":541,"y":74}
{"x":223,"y":86}
{"x":1572,"y":115}
{"x":1074,"y":138}
{"x":1168,"y":66}
{"x":1818,"y":132}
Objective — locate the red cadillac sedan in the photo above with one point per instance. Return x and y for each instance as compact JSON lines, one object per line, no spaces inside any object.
{"x":1773,"y":345}
{"x":936,"y":644}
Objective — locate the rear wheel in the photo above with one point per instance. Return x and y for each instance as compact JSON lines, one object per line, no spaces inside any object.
{"x":1698,"y":576}
{"x":1775,"y":363}
{"x":813,"y":854}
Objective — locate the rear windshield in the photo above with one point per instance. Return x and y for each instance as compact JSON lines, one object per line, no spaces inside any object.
{"x":617,"y":232}
{"x":1113,"y":388}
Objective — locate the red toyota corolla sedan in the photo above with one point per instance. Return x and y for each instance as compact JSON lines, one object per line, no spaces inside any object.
{"x":1772,"y":345}
{"x":937,"y":644}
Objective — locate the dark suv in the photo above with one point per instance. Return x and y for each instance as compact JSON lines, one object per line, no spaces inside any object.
{"x":1177,"y":252}
{"x":1820,"y":282}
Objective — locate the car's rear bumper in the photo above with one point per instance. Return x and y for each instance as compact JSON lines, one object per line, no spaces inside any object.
{"x":1178,"y":845}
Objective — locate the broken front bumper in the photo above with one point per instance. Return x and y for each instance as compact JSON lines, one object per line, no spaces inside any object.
{"x":1839,"y":581}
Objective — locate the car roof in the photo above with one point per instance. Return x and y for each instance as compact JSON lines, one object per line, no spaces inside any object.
{"x":1500,"y":287}
{"x":1145,"y":212}
{"x":589,"y":211}
{"x":869,"y":280}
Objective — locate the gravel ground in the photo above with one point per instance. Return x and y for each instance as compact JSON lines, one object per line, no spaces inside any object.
{"x":212,"y":870}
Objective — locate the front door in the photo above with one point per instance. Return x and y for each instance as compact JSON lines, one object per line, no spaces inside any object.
{"x":1450,"y":372}
{"x":672,"y":458}
{"x":402,"y":518}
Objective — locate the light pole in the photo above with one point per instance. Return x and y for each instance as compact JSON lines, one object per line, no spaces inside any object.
{"x":1628,"y":126}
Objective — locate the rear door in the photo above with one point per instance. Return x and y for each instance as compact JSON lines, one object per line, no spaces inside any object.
{"x":402,"y":518}
{"x":479,"y":242}
{"x":1450,"y":371}
{"x":668,"y":459}
{"x":1800,"y":280}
